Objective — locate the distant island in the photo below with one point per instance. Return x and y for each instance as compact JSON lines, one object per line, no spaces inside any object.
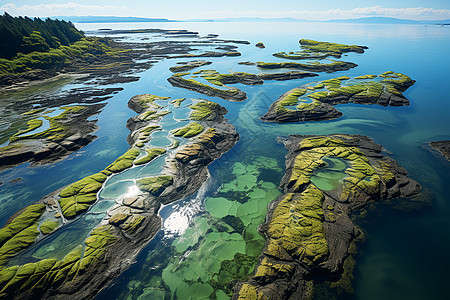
{"x":109,"y":19}
{"x":367,"y":20}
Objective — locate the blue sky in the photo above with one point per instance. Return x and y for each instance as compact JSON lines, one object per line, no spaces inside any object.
{"x":206,"y":9}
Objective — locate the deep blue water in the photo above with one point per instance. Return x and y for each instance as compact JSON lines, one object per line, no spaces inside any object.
{"x":405,"y":254}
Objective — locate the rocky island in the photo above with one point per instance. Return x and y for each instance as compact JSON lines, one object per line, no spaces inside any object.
{"x":219,"y":82}
{"x":131,"y":217}
{"x":320,"y":50}
{"x":308,"y":228}
{"x":314,"y":101}
{"x":332,"y":67}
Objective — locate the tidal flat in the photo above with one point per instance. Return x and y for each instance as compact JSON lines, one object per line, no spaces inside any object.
{"x":209,"y":245}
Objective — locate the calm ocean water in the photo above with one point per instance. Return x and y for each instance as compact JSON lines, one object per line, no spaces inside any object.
{"x":405,"y":255}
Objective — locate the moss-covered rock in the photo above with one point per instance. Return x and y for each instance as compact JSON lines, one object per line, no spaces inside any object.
{"x":308,"y":228}
{"x":124,"y":162}
{"x":202,"y":110}
{"x":48,"y":226}
{"x":151,"y":155}
{"x":315,"y":101}
{"x":154,"y":185}
{"x":190,"y":130}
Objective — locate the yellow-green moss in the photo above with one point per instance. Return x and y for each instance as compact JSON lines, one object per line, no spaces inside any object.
{"x":202,"y":110}
{"x":48,"y":226}
{"x":151,"y":155}
{"x":177,"y":102}
{"x":190,"y":130}
{"x":249,"y":292}
{"x":154,"y":185}
{"x":31,"y":125}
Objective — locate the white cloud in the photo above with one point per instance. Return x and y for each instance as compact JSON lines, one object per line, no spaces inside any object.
{"x":416,"y":13}
{"x":67,"y":9}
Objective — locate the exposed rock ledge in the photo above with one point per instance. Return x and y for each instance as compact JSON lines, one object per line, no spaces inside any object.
{"x":132,"y":222}
{"x":443,"y":147}
{"x":308,"y":228}
{"x":67,"y":132}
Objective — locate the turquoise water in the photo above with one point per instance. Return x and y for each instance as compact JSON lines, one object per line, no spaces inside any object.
{"x":405,"y":254}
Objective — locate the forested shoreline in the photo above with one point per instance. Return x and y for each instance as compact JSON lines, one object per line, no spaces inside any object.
{"x":37,"y":49}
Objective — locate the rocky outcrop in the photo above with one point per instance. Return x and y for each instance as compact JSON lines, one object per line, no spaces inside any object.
{"x":286,"y":75}
{"x":332,"y":67}
{"x":308,"y":228}
{"x":314,"y":101}
{"x":67,"y":132}
{"x":319,"y":50}
{"x":221,"y":80}
{"x":231,"y":94}
{"x":133,"y":221}
{"x":187,"y":66}
{"x":443,"y":147}
{"x":208,"y":54}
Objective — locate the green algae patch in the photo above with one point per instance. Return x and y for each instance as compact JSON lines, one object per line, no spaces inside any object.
{"x":47,"y":272}
{"x":151,"y":155}
{"x":31,"y":125}
{"x":249,"y":291}
{"x":48,"y":226}
{"x":79,"y":196}
{"x":177,"y":102}
{"x":58,"y":129}
{"x":188,"y":131}
{"x":27,"y":218}
{"x":154,"y":185}
{"x":296,"y":226}
{"x":124,"y":162}
{"x":152,"y":115}
{"x":202,"y":110}
{"x":21,"y":232}
{"x":144,"y":101}
{"x":224,"y":245}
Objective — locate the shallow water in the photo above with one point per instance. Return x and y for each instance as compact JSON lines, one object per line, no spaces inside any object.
{"x":405,"y":254}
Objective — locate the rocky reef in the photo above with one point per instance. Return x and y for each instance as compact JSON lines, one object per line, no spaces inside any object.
{"x":219,"y":82}
{"x":187,"y":66}
{"x":319,"y":50}
{"x":443,"y":147}
{"x":314,"y":101}
{"x":60,"y":136}
{"x":308,"y":229}
{"x":332,"y":67}
{"x":131,"y":218}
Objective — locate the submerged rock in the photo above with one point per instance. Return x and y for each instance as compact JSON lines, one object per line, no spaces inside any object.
{"x":308,"y":229}
{"x":443,"y":147}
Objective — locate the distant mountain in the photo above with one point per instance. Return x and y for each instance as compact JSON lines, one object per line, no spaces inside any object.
{"x":248,"y":19}
{"x":108,"y":19}
{"x":384,"y":20}
{"x":369,"y":20}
